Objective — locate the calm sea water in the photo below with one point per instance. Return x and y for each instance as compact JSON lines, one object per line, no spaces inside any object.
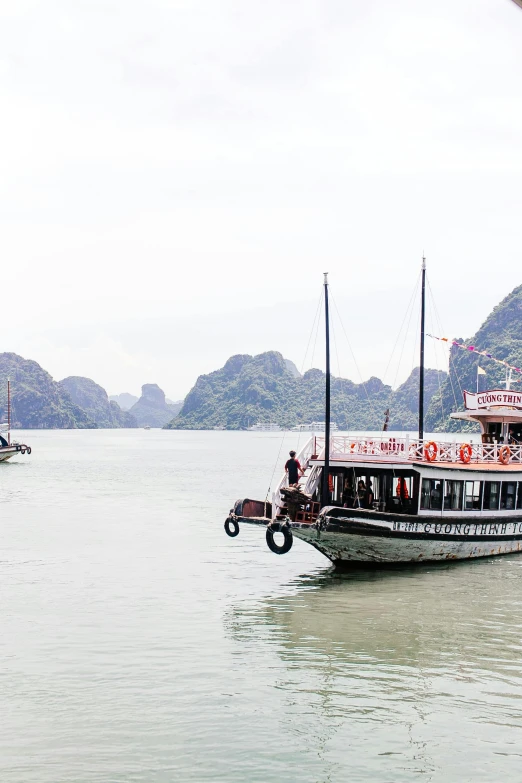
{"x":140,"y":643}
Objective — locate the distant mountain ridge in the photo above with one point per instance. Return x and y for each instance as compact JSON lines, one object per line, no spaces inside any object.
{"x":124,"y":400}
{"x":152,"y":410}
{"x":256,"y":389}
{"x":93,"y":399}
{"x":37,"y":401}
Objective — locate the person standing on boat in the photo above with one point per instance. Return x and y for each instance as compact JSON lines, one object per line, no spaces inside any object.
{"x":360,"y":495}
{"x":293,"y":468}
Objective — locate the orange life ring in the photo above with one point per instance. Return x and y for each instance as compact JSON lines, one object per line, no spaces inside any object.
{"x":330,"y":483}
{"x":504,"y":454}
{"x":431,"y":450}
{"x":352,"y":447}
{"x":465,"y":453}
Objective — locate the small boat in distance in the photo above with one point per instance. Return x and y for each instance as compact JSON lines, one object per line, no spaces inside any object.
{"x":9,"y":448}
{"x":384,"y":499}
{"x":264,"y":427}
{"x":315,"y":426}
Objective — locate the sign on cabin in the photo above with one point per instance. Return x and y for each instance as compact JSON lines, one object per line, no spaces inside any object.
{"x":497,"y":398}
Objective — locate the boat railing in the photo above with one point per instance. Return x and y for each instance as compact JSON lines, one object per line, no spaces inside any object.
{"x":388,"y":447}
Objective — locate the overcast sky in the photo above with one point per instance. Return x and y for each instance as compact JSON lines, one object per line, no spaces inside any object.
{"x":177,"y":174}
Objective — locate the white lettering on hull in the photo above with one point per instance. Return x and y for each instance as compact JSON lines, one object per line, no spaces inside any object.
{"x":340,"y":547}
{"x":460,"y":529}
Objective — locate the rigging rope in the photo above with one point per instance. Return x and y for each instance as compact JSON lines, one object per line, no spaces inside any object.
{"x":315,"y":326}
{"x":451,"y":363}
{"x":370,"y":403}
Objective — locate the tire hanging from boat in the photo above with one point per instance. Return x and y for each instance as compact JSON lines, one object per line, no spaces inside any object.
{"x":234,"y":530}
{"x":504,"y":454}
{"x":286,"y":546}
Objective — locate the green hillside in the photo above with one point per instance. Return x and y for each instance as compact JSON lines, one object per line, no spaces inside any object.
{"x":255,"y":389}
{"x":36,"y":400}
{"x":93,"y":399}
{"x":501,"y":336}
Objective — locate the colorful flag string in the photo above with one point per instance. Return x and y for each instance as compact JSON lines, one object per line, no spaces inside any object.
{"x":472,"y":349}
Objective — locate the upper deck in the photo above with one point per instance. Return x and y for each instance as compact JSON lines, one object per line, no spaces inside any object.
{"x":387,"y":448}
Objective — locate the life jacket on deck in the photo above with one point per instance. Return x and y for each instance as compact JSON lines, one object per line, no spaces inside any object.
{"x":402,"y":489}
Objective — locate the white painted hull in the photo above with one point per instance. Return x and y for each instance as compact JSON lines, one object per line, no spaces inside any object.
{"x":6,"y":452}
{"x":356,"y":540}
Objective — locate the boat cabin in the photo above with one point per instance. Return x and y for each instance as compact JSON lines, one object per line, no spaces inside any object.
{"x":476,"y":474}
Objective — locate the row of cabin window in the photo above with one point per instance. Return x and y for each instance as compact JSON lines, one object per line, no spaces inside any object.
{"x":471,"y":495}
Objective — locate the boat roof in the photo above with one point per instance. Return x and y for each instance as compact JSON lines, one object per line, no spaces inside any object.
{"x":386,"y":464}
{"x":502,"y":415}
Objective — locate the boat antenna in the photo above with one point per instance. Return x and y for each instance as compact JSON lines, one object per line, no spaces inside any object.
{"x":421,"y":368}
{"x":325,"y":495}
{"x":8,"y":412}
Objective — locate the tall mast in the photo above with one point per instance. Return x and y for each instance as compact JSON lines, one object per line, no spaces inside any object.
{"x":421,"y":369}
{"x":325,"y":496}
{"x":8,"y":412}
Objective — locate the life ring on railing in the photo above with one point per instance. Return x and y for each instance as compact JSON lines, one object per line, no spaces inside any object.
{"x":352,"y":447}
{"x":504,"y":454}
{"x":431,"y":450}
{"x":465,"y":453}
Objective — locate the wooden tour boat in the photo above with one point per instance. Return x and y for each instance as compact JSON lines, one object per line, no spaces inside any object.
{"x":421,"y":499}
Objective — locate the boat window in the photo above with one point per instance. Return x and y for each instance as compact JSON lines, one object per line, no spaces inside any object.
{"x":491,"y":495}
{"x":495,"y":429}
{"x":519,"y":495}
{"x":453,"y":495}
{"x":431,"y":494}
{"x":473,"y":498}
{"x":507,"y":496}
{"x":335,"y":484}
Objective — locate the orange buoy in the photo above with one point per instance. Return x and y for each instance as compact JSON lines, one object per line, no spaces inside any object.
{"x":465,"y":453}
{"x":431,"y":450}
{"x":504,"y":454}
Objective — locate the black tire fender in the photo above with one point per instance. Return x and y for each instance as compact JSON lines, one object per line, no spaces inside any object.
{"x":28,"y":450}
{"x":234,"y":530}
{"x":286,"y":546}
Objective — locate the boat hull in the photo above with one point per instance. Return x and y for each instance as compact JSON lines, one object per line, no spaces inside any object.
{"x":365,"y":538}
{"x":353,"y":539}
{"x":6,"y":452}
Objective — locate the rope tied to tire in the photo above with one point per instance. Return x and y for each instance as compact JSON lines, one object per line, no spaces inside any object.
{"x":286,"y":546}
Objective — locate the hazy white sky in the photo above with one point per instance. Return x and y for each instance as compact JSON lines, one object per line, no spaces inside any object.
{"x":177,"y":174}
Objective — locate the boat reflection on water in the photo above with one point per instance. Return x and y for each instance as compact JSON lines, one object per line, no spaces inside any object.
{"x":424,"y":662}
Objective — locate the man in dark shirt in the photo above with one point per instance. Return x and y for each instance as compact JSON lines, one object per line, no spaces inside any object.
{"x":293,"y":468}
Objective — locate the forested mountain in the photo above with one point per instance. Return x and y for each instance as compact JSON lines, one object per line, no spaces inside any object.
{"x":152,"y":409}
{"x":37,"y":401}
{"x":501,"y":336}
{"x":253,"y":389}
{"x":93,"y":399}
